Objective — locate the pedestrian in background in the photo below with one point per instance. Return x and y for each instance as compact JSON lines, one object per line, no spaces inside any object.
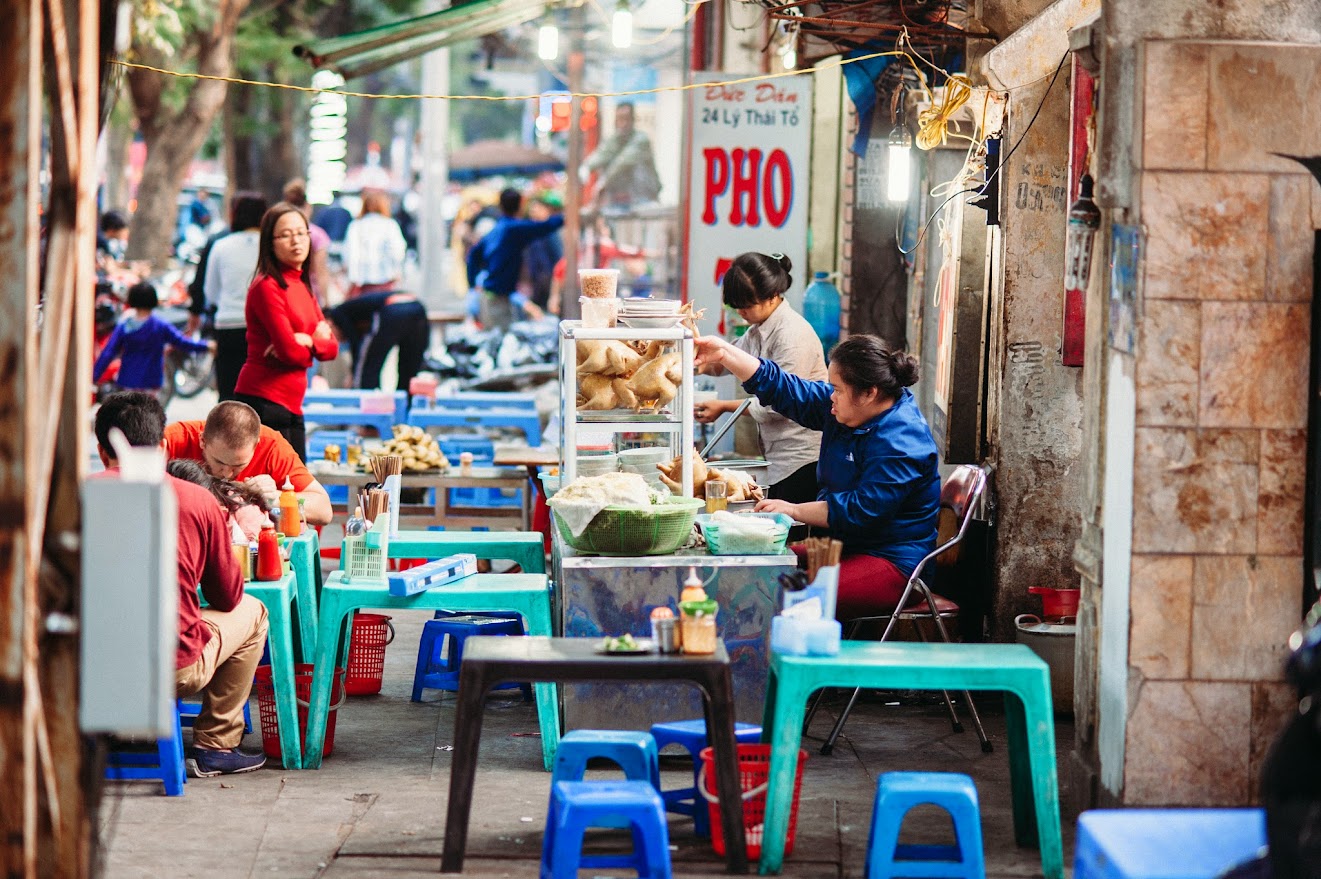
{"x":318,"y":260}
{"x":139,"y":342}
{"x":496,"y":261}
{"x":230,"y":267}
{"x":286,"y":330}
{"x":374,"y":248}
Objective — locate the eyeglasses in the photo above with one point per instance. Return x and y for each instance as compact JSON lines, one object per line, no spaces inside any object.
{"x":292,"y":236}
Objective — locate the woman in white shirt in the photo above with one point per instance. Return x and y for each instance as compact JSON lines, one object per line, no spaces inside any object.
{"x":229,"y":270}
{"x":754,"y":286}
{"x":374,"y":248}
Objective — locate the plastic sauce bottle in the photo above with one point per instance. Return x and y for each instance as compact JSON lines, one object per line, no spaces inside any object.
{"x":291,"y":524}
{"x":269,"y":566}
{"x":821,"y":309}
{"x":356,"y":526}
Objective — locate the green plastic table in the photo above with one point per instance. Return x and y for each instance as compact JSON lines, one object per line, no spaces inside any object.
{"x":1014,"y":668}
{"x":527,"y":594}
{"x":525,"y":548}
{"x":305,"y":561}
{"x":278,"y":596}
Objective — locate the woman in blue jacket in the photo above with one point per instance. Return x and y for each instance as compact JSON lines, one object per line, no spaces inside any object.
{"x":880,"y":486}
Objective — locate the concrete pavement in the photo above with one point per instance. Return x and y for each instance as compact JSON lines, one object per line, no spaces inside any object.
{"x":377,"y":807}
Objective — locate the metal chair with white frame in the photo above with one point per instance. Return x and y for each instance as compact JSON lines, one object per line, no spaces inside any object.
{"x":961,"y":493}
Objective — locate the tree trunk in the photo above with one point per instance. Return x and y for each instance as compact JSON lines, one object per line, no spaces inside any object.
{"x":174,"y":139}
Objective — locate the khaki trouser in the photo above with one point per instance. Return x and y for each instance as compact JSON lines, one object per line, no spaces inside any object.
{"x":223,"y":673}
{"x":497,"y":312}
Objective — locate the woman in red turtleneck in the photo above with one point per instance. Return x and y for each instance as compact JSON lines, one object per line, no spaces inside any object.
{"x":286,"y":329}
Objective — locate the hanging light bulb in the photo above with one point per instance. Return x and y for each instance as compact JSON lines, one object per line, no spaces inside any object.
{"x":548,"y":42}
{"x":790,"y":57}
{"x":621,"y":26}
{"x":900,"y":149}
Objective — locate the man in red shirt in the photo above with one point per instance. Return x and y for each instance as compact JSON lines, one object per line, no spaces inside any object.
{"x":233,"y":444}
{"x":219,"y":646}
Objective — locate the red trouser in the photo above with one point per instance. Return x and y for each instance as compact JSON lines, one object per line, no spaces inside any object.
{"x":868,"y":585}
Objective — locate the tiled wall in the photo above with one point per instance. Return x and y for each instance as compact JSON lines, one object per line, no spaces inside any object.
{"x":1221,"y":372}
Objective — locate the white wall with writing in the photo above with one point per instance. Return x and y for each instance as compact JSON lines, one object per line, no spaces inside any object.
{"x":749,"y":155}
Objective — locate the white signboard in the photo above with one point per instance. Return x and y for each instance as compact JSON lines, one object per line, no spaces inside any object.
{"x":749,"y":154}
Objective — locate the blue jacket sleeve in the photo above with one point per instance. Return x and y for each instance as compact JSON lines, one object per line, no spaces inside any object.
{"x":109,"y":352}
{"x":476,"y":262}
{"x":527,"y":231}
{"x":884,"y":485}
{"x":179,"y":340}
{"x":805,"y":402}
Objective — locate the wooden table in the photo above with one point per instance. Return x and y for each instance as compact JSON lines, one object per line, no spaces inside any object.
{"x":421,"y":516}
{"x":489,"y":660}
{"x":530,"y":457}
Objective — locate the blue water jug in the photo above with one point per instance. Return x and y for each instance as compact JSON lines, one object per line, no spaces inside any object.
{"x":821,"y":308}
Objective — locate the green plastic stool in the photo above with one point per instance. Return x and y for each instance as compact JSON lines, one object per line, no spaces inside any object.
{"x":1013,"y":668}
{"x":526,"y":594}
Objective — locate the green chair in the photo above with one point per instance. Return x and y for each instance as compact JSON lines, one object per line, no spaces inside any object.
{"x":526,"y":594}
{"x":1013,"y":668}
{"x":525,"y":548}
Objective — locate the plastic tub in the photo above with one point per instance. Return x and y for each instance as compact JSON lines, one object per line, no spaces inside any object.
{"x":264,"y":687}
{"x":599,"y":283}
{"x":599,"y":314}
{"x":366,"y":666}
{"x":1056,"y":603}
{"x":740,"y":545}
{"x":754,"y":764}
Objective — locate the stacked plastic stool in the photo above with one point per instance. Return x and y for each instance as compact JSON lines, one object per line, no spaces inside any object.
{"x":1141,"y":843}
{"x":635,"y":753}
{"x":578,"y":805}
{"x":441,"y":672}
{"x":165,"y":765}
{"x":896,"y":794}
{"x":691,"y":735}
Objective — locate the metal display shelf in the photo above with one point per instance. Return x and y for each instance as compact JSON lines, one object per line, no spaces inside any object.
{"x":679,"y":418}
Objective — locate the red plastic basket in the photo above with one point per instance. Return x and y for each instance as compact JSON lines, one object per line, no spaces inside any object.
{"x":754,"y":771}
{"x":270,"y":721}
{"x":366,"y":666}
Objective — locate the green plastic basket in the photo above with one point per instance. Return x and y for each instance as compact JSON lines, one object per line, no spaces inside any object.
{"x":627,"y":531}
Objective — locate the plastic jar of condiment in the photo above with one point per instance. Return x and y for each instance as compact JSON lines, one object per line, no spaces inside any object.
{"x":699,"y":634}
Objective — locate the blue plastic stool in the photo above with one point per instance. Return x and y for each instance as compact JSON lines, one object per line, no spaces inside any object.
{"x":634,"y":751}
{"x":896,"y":793}
{"x":1141,"y":843}
{"x":188,"y":712}
{"x":165,"y":765}
{"x":441,"y":672}
{"x":691,"y":735}
{"x":577,"y":805}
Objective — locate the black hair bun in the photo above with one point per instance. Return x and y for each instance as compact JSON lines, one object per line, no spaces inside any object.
{"x":905,"y":368}
{"x":784,"y":261}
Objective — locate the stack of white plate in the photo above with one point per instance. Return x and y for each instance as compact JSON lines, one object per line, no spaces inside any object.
{"x":643,"y":313}
{"x":596,"y":465}
{"x":643,"y":461}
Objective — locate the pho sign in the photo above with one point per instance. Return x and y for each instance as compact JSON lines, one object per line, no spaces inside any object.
{"x":749,"y":155}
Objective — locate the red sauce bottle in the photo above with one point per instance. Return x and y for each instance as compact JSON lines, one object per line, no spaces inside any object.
{"x":269,"y":566}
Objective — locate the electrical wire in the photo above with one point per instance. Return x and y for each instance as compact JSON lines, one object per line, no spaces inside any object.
{"x":1003,"y":162}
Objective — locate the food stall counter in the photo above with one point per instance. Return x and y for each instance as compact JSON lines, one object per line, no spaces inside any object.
{"x":603,"y":596}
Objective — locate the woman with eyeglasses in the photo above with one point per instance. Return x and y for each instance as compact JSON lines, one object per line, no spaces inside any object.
{"x":754,"y":286}
{"x":286,"y":330}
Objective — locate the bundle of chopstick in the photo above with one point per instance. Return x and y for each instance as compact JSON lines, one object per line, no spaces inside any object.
{"x":822,"y":552}
{"x":375,"y":502}
{"x":386,"y":465}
